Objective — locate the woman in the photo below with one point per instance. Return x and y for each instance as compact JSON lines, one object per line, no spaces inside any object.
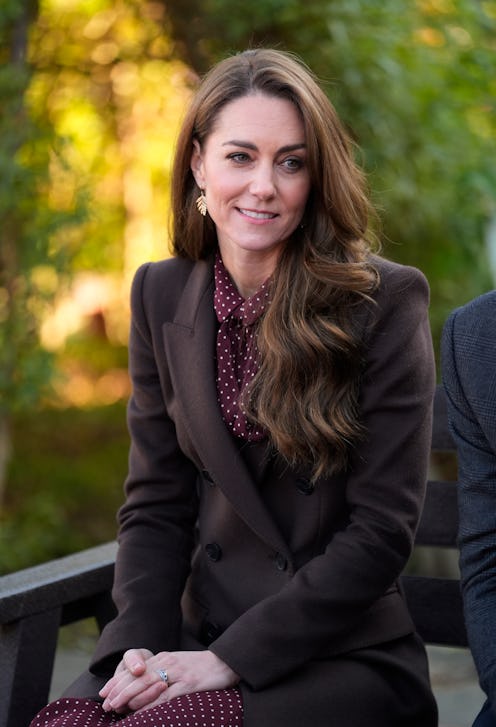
{"x":280,"y":426}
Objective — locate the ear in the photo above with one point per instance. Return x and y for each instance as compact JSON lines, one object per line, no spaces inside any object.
{"x":196,"y":164}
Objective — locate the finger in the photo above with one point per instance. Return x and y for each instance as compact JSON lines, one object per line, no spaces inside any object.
{"x":162,"y":699}
{"x":114,"y":688}
{"x":108,"y":686}
{"x":150,"y":697}
{"x":105,"y":689}
{"x":121,"y":667}
{"x":129,"y":687}
{"x":116,"y":683}
{"x":134,"y":660}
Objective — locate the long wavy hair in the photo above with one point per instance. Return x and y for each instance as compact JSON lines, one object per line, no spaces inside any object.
{"x":305,"y":393}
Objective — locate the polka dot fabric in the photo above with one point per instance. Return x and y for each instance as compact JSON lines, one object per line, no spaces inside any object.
{"x":237,"y":353}
{"x":220,"y":708}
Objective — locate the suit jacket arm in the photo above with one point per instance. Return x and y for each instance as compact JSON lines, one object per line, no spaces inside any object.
{"x":156,"y":533}
{"x":469,"y":376}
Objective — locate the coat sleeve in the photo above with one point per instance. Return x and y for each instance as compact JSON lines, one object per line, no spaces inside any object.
{"x":385,"y":487}
{"x":469,"y":377}
{"x":158,"y":515}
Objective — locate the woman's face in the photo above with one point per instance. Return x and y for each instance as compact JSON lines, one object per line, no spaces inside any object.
{"x":253,"y":168}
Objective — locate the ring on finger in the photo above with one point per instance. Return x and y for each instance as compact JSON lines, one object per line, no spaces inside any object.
{"x":163,"y":675}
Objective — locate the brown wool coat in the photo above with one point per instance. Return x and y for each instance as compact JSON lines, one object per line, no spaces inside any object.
{"x":286,"y":575}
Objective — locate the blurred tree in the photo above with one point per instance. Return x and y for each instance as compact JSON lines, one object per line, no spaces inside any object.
{"x":108,"y":81}
{"x":89,"y":101}
{"x":31,"y":264}
{"x":416,"y":84}
{"x":90,"y":97}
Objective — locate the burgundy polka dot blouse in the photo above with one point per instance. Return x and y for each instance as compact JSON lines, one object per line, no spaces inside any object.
{"x":237,"y":353}
{"x":219,"y":708}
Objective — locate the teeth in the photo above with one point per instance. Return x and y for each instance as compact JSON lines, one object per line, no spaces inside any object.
{"x":258,"y":215}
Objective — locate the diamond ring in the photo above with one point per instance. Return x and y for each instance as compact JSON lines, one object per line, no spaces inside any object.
{"x":163,"y":675}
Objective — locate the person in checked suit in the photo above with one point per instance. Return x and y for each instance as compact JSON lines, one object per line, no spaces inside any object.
{"x":280,"y":425}
{"x":469,"y":377}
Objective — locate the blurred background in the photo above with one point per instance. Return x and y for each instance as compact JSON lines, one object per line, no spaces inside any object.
{"x":91,"y":95}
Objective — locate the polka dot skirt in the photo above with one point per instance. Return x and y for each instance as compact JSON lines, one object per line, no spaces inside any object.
{"x":237,"y":353}
{"x":220,"y":708}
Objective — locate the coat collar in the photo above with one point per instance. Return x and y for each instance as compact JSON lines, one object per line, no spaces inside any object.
{"x":189,"y":342}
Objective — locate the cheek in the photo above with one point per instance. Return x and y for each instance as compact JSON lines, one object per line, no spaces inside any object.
{"x":221,"y":192}
{"x":298,"y":197}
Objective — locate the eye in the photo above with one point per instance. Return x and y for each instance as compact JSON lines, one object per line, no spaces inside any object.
{"x":239,"y":157}
{"x":292,"y":164}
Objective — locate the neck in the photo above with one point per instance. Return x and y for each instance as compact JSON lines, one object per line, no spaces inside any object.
{"x":249,"y":271}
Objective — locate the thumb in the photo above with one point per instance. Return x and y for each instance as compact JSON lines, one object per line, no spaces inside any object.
{"x":135,"y":660}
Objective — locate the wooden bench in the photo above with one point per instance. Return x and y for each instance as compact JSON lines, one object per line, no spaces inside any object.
{"x":35,"y":602}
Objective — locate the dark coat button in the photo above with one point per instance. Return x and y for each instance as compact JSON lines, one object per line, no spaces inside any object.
{"x":207,"y":477}
{"x":214,"y":551}
{"x":281,"y":562}
{"x":209,"y":632}
{"x":304,"y":486}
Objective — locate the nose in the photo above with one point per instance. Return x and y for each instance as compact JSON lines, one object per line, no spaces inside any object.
{"x":262,"y":183}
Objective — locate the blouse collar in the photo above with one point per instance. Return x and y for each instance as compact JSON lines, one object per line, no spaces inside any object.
{"x":228,"y":301}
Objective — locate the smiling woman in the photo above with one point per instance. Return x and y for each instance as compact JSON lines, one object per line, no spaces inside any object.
{"x":280,"y":421}
{"x":256,"y":182}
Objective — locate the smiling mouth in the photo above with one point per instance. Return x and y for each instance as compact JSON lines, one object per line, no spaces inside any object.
{"x":258,"y":215}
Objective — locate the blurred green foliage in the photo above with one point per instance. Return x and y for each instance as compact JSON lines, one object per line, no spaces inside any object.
{"x":32,"y":229}
{"x":65,"y":483}
{"x":85,"y":136}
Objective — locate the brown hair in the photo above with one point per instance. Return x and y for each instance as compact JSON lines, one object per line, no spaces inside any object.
{"x":306,"y":390}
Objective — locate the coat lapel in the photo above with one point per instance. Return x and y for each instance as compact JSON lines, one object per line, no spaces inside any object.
{"x":190,"y":349}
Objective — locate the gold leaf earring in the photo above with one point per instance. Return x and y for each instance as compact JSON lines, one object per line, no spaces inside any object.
{"x":201,"y":203}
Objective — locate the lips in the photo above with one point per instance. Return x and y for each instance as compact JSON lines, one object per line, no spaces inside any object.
{"x":258,"y":215}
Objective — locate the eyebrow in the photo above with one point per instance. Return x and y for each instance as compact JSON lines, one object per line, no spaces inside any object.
{"x":253,"y":147}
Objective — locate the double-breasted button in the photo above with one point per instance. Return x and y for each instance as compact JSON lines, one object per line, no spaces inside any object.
{"x":207,"y":477}
{"x":213,"y":551}
{"x":209,"y":632}
{"x":281,"y":562}
{"x":304,"y":486}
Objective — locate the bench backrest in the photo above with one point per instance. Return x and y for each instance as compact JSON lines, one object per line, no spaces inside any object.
{"x":434,"y":601}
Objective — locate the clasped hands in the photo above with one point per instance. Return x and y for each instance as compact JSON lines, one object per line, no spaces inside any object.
{"x":136,"y":684}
